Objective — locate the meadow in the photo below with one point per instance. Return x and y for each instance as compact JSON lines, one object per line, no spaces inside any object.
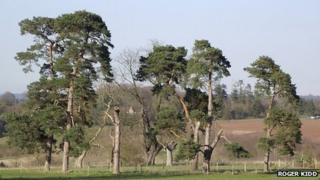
{"x":152,"y":173}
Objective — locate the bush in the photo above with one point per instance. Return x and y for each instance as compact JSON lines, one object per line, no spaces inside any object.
{"x":237,"y":151}
{"x":187,"y":150}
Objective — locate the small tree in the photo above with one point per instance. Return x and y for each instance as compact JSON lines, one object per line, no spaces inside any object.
{"x":42,"y":95}
{"x":187,"y":149}
{"x":8,"y":99}
{"x":31,"y":130}
{"x":285,"y":132}
{"x":274,"y":83}
{"x":45,"y":108}
{"x":168,"y":125}
{"x":237,"y":151}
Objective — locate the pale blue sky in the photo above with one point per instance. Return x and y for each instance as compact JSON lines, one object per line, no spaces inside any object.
{"x":286,"y":30}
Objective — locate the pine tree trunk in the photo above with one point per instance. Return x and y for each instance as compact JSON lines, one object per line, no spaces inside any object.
{"x":189,"y":125}
{"x":65,"y":156}
{"x":208,"y":152}
{"x":116,"y":151}
{"x":207,"y":149}
{"x":169,"y":149}
{"x":48,"y":159}
{"x":152,"y":147}
{"x":66,"y":144}
{"x":47,"y":165}
{"x":195,"y":161}
{"x":79,"y":160}
{"x":206,"y":160}
{"x":154,"y":150}
{"x":169,"y":157}
{"x":151,"y":157}
{"x":66,"y":148}
{"x":266,"y":167}
{"x":207,"y":134}
{"x":266,"y":160}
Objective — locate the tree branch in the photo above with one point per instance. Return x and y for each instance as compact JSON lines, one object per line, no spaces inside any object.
{"x":216,"y":140}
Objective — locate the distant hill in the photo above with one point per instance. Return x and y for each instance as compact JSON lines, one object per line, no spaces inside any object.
{"x":20,"y":96}
{"x":311,"y":97}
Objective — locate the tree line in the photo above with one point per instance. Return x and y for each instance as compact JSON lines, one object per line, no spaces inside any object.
{"x":72,"y":52}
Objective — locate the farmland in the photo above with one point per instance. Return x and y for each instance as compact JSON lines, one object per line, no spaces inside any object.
{"x":245,"y":132}
{"x":242,"y":131}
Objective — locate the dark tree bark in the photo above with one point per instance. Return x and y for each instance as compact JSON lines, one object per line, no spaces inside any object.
{"x":153,"y":150}
{"x":266,"y":159}
{"x":207,"y":153}
{"x":65,"y":156}
{"x":207,"y":148}
{"x":47,"y":164}
{"x":70,"y":121}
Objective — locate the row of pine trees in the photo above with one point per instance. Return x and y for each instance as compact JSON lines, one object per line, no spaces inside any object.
{"x":72,"y":52}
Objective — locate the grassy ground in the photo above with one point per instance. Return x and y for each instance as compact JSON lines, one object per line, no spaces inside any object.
{"x":153,"y":173}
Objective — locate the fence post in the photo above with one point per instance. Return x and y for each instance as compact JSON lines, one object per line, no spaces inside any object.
{"x":88,"y":169}
{"x":217,"y":166}
{"x":292,"y":164}
{"x":245,"y":166}
{"x":20,"y":166}
{"x":109,"y":165}
{"x":257,"y":168}
{"x":232,"y":169}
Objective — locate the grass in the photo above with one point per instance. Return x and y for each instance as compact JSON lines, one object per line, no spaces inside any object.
{"x":158,"y":173}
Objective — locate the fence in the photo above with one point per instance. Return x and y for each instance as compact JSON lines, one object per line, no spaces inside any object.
{"x":233,"y":167}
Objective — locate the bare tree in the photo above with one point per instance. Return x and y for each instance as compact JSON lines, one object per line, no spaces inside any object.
{"x":116,"y":139}
{"x":116,"y":147}
{"x":128,"y":65}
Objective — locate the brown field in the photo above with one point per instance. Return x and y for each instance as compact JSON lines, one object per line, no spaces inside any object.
{"x":310,"y":128}
{"x":247,"y":133}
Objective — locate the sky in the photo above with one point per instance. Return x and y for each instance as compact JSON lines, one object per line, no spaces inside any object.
{"x":286,"y":30}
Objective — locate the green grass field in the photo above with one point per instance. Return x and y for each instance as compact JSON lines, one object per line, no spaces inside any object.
{"x":157,"y":173}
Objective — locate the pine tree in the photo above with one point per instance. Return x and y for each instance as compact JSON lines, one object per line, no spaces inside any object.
{"x":72,"y":52}
{"x":164,"y":67}
{"x":41,"y":96}
{"x":86,"y":42}
{"x":207,"y":65}
{"x":275,"y":83}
